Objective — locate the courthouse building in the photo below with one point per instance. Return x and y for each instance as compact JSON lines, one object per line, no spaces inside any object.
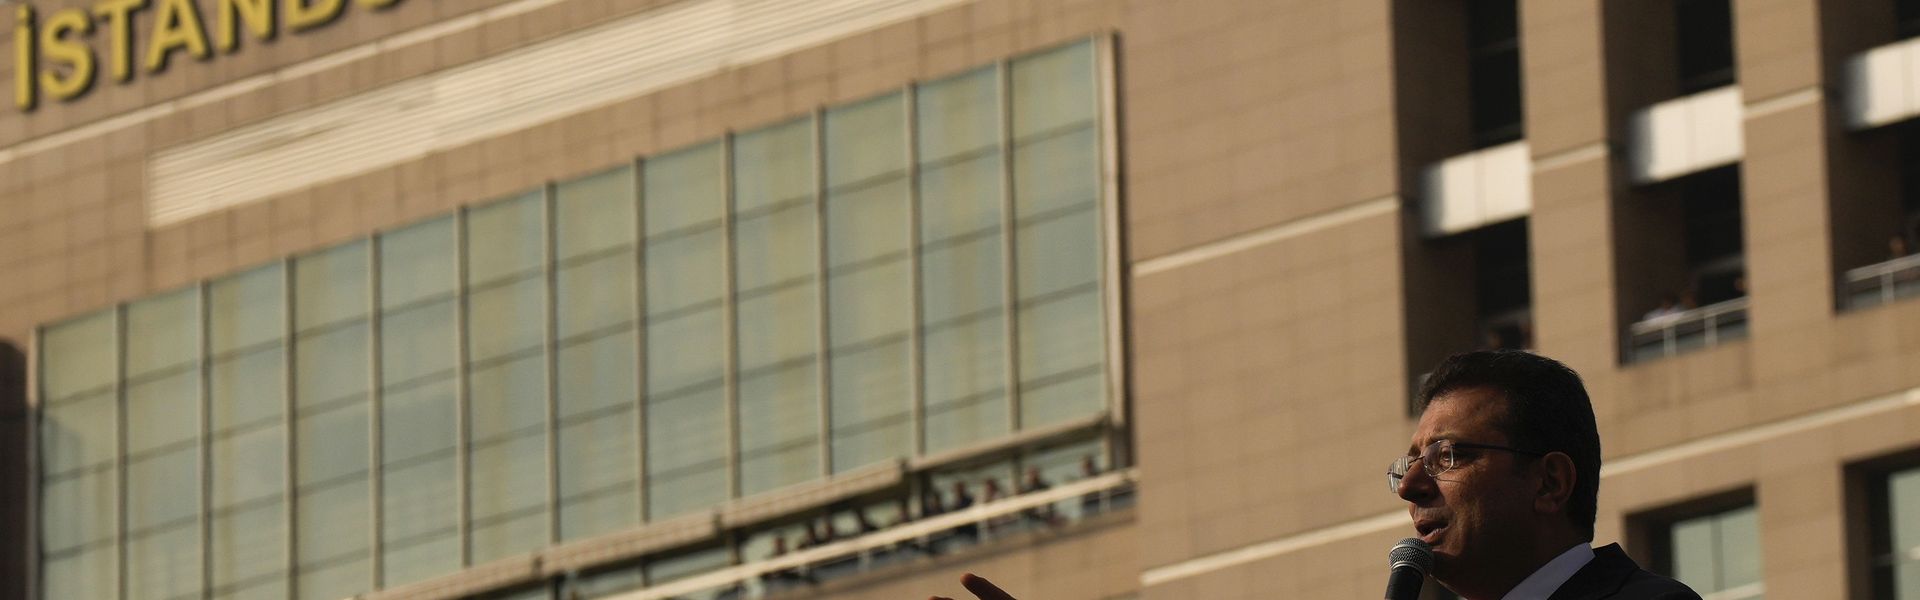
{"x":713,"y":299}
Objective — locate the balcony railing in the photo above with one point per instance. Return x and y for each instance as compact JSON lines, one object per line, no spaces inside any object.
{"x":1015,"y":515}
{"x":1882,"y":283}
{"x":1673,"y":334}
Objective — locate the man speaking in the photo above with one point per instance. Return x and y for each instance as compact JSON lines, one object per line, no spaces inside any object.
{"x":1502,"y":479}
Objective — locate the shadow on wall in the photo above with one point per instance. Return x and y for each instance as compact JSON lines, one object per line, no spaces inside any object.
{"x":14,"y":421}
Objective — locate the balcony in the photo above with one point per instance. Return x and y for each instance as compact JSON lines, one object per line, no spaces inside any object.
{"x":1478,"y":188}
{"x":1883,"y":85}
{"x":1681,"y":332}
{"x":1687,"y":135}
{"x":1882,"y":283}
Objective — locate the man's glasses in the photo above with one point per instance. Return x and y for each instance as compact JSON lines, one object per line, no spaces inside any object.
{"x":1438,"y":458}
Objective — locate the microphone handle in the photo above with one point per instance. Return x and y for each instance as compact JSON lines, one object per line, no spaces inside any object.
{"x":1404,"y":584}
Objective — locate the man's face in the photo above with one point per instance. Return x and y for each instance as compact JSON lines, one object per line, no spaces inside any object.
{"x":1473,"y":514}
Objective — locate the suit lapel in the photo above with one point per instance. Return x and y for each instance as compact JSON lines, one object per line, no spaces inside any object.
{"x":1601,"y":578}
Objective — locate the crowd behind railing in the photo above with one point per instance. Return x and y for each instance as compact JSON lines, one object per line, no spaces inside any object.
{"x":1884,"y":282}
{"x":964,"y":515}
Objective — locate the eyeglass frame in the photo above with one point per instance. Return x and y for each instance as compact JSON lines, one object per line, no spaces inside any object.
{"x":1398,"y":469}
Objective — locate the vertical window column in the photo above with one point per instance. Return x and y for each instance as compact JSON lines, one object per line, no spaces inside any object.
{"x":332,"y":380}
{"x":79,"y":479}
{"x":776,"y":274}
{"x":1056,"y":173}
{"x":963,"y":320}
{"x":596,"y":274}
{"x":163,"y":410}
{"x":420,"y":504}
{"x":868,"y":281}
{"x":684,"y":199}
{"x":247,"y":386}
{"x":1718,"y":555}
{"x":506,"y":378}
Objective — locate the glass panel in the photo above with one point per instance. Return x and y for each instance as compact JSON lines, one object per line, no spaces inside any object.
{"x":686,"y":452}
{"x":1739,"y":547}
{"x":684,"y":270}
{"x":773,"y":164}
{"x":1903,"y":496}
{"x":866,"y":305}
{"x":594,"y":213}
{"x":167,"y":411}
{"x":504,"y":239}
{"x":77,"y":433}
{"x":247,"y":309}
{"x":508,"y":399}
{"x":334,"y":522}
{"x":89,"y":574}
{"x":867,"y":224}
{"x":331,"y":365}
{"x":168,"y":488}
{"x":870,"y":405}
{"x":77,"y":356}
{"x":332,"y":444}
{"x":249,"y":544}
{"x":684,"y":352}
{"x":1061,"y":353}
{"x":775,"y":247}
{"x":598,"y":474}
{"x":506,"y":319}
{"x":597,"y":375}
{"x":77,"y":509}
{"x":419,"y":503}
{"x":959,"y":115}
{"x":335,"y":580}
{"x":779,"y":427}
{"x":163,"y":332}
{"x":596,"y":296}
{"x":417,"y":262}
{"x":683,"y":189}
{"x":417,"y":423}
{"x":1054,"y":89}
{"x":1694,"y":554}
{"x":330,"y":286}
{"x":508,"y":492}
{"x":778,"y":327}
{"x":967,"y":396}
{"x":418,"y":342}
{"x":248,"y":389}
{"x":1058,"y":254}
{"x":857,"y":140}
{"x":164,"y":564}
{"x":248,"y":466}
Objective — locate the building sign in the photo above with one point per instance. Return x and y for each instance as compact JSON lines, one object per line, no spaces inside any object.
{"x":63,"y":54}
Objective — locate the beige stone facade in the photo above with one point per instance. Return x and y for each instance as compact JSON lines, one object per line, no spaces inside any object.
{"x":1269,"y":158}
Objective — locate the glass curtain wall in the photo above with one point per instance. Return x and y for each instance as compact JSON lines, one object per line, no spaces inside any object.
{"x":917,"y":273}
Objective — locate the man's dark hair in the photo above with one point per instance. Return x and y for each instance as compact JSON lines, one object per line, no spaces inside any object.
{"x":1547,"y":410}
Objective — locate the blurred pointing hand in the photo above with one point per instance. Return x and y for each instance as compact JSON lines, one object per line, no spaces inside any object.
{"x":980,"y":587}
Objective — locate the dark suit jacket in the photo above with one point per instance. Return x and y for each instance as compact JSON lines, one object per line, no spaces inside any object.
{"x":1611,"y":575}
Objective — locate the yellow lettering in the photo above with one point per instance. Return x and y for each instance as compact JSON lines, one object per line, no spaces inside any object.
{"x":308,"y":14}
{"x":72,"y":52}
{"x":176,"y":26}
{"x":378,"y":3}
{"x":24,"y":93}
{"x":119,"y":16}
{"x":257,"y":14}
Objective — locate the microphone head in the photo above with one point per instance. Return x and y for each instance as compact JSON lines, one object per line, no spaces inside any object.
{"x":1411,"y":552}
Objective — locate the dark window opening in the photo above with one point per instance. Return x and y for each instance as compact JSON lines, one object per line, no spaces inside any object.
{"x":1705,"y":44}
{"x":1713,"y":232}
{"x":1893,"y":529}
{"x":1907,"y":15}
{"x":1909,"y":223}
{"x":1503,"y":286}
{"x":1494,"y":70}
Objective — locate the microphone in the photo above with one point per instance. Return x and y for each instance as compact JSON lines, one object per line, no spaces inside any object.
{"x":1410,"y":559}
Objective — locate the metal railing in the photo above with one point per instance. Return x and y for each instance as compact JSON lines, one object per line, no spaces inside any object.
{"x":1881,"y":283}
{"x":985,"y":521}
{"x":1672,"y":334}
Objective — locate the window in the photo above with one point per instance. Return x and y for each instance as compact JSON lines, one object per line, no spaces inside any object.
{"x":1700,"y":300}
{"x":917,"y":273}
{"x":1713,"y":546}
{"x":1893,"y":532}
{"x":1493,"y":39}
{"x":1705,"y":44}
{"x":1907,"y":17}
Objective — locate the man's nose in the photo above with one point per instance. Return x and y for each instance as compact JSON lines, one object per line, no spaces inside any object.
{"x":1416,"y":485}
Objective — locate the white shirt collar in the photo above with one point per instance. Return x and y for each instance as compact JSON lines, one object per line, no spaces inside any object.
{"x":1548,"y":579}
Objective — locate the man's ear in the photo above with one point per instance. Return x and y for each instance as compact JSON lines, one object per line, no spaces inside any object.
{"x":1557,"y":476}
